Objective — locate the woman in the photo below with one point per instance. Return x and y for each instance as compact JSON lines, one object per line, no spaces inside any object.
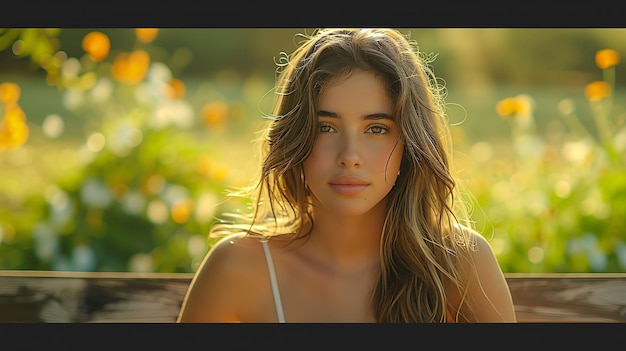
{"x":357,"y":216}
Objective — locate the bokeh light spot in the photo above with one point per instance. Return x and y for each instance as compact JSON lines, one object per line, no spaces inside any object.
{"x":146,"y":35}
{"x":535,"y":254}
{"x":597,"y":90}
{"x":606,"y":58}
{"x":9,"y":93}
{"x":96,"y":45}
{"x":53,"y":126}
{"x":131,"y":68}
{"x":157,"y":211}
{"x":562,"y":189}
{"x":96,"y":142}
{"x":214,"y":113}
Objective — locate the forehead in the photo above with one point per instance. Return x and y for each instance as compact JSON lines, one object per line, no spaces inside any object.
{"x":365,"y":89}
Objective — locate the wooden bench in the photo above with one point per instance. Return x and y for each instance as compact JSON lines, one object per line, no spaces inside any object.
{"x":76,"y":297}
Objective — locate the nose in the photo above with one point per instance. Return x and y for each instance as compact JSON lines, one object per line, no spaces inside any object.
{"x":349,"y":155}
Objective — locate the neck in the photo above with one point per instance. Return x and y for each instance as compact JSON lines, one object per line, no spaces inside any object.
{"x":348,"y":241}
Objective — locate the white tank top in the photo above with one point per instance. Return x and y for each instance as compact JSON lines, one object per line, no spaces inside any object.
{"x":273,"y":281}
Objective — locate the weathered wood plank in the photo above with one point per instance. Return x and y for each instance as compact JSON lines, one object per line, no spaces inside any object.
{"x":77,"y":297}
{"x":569,"y":298}
{"x":90,"y":297}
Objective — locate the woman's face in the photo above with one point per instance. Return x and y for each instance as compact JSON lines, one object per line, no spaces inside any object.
{"x":357,"y":154}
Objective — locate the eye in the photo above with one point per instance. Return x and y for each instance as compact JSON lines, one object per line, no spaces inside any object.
{"x":326,"y":128}
{"x":378,"y":129}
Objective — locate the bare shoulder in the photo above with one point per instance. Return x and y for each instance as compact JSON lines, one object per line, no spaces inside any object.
{"x":233,"y":252}
{"x":223,"y":286}
{"x":488,"y":290}
{"x":480,"y":249}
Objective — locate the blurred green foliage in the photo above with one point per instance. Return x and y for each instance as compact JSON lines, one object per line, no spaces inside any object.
{"x":131,"y":175}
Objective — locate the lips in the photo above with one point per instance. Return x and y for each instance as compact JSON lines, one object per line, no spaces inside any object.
{"x":348,"y":185}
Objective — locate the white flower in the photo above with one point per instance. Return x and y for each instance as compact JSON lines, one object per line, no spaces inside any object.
{"x":134,"y":202}
{"x":152,"y":90}
{"x":73,"y":99}
{"x":102,"y":90}
{"x":141,"y":263}
{"x":588,"y":245}
{"x":178,"y":113}
{"x":157,"y":211}
{"x":576,"y":151}
{"x":205,"y":207}
{"x":159,"y":73}
{"x":95,"y":193}
{"x":71,"y":68}
{"x":46,"y":241}
{"x":197,"y":246}
{"x":61,"y":207}
{"x":173,"y":193}
{"x":124,"y":137}
{"x":83,"y":258}
{"x":53,"y":126}
{"x":620,"y":252}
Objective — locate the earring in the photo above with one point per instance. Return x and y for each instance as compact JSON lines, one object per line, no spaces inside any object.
{"x":398,"y":172}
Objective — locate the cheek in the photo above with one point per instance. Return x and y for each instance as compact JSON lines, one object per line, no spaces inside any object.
{"x":388,"y":158}
{"x":396,"y":156}
{"x":314,"y":163}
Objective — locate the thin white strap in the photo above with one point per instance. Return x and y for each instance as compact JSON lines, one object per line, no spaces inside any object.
{"x":274,"y":282}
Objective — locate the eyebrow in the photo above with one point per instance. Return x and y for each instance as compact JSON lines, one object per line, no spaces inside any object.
{"x":372,"y":116}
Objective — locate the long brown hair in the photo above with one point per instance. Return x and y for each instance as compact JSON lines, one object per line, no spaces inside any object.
{"x":423,"y":243}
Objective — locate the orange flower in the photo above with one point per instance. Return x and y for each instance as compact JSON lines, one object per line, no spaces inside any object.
{"x":237,"y":110}
{"x":181,"y":210}
{"x":146,"y":35}
{"x":175,"y":89}
{"x":214,"y":113}
{"x":513,"y":106}
{"x":131,"y":68}
{"x":597,"y":90}
{"x":519,"y":107}
{"x":9,"y":93}
{"x":505,"y":107}
{"x":97,"y":45}
{"x":204,"y":165}
{"x":13,"y":128}
{"x":606,"y":58}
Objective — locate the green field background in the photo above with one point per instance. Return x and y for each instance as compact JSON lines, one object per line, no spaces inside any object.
{"x":548,"y":198}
